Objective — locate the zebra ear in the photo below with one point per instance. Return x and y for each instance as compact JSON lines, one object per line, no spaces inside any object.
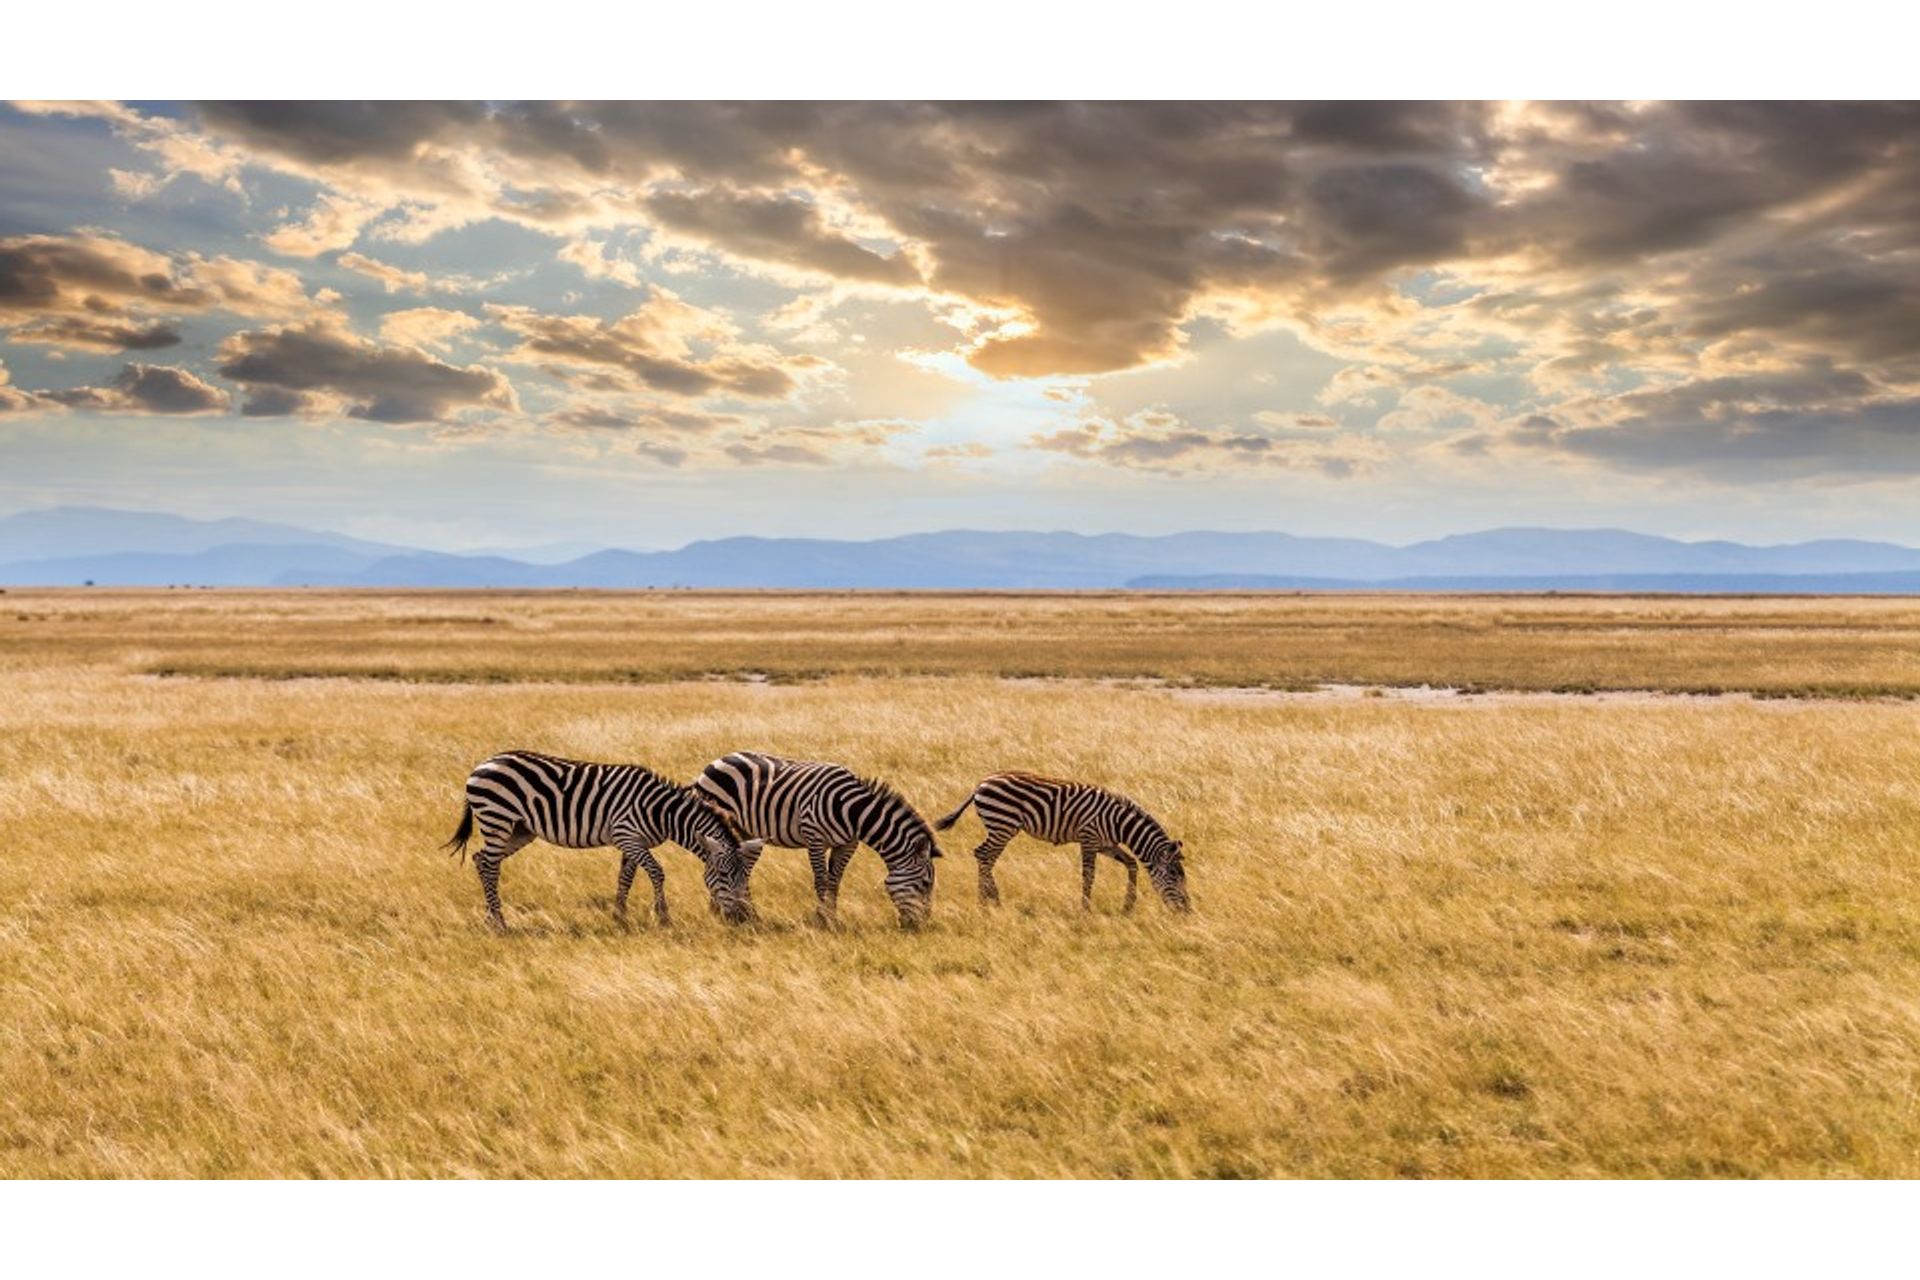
{"x":715,"y":845}
{"x":751,"y":847}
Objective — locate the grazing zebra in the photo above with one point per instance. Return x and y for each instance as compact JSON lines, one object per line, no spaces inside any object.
{"x":1061,"y":812}
{"x":519,"y":796}
{"x":819,"y":807}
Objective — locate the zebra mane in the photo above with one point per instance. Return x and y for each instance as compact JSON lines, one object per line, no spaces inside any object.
{"x":1135,"y":809}
{"x":888,"y":795}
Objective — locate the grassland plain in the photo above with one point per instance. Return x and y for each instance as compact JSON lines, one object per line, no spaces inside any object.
{"x":1483,"y":937}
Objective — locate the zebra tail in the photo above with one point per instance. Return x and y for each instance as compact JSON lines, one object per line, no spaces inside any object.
{"x":457,"y":846}
{"x":947,"y":822}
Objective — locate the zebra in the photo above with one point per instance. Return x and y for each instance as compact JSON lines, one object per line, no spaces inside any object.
{"x":824,"y":807}
{"x":1062,"y":812}
{"x":518,"y":796}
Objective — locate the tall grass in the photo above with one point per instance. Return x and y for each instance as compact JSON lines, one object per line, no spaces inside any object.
{"x":1478,"y":939}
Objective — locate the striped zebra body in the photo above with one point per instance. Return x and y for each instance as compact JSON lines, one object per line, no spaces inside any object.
{"x":828,"y":810}
{"x":521,"y":796}
{"x":1062,"y":812}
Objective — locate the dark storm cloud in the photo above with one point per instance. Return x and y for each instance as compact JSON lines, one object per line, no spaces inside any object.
{"x":1810,"y":419}
{"x":376,"y":383}
{"x":776,"y":229}
{"x":335,"y":132}
{"x":146,"y":389}
{"x":1369,"y":218}
{"x":1384,"y":127}
{"x":1820,"y":299}
{"x":1104,"y":221}
{"x":1676,"y":176}
{"x":1108,"y":222}
{"x":1863,"y":439}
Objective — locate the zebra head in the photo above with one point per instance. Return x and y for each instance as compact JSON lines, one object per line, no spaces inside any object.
{"x":727,"y":864}
{"x":1167,"y":869}
{"x":923,"y":850}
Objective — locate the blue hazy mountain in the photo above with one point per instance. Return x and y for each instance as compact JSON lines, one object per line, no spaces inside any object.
{"x":69,"y":532}
{"x":72,"y":545}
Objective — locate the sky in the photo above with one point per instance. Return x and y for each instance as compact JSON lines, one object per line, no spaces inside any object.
{"x":467,"y":325}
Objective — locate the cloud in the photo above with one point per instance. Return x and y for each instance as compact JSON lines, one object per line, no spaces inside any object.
{"x":664,"y":345}
{"x":813,"y":446}
{"x":14,"y":400}
{"x":970,"y":451}
{"x":400,"y":280}
{"x":648,"y":418}
{"x":1807,"y":419}
{"x":333,"y":223}
{"x":98,"y":335}
{"x":1102,"y":228}
{"x":1594,"y":251}
{"x":666,"y":435}
{"x":776,"y":229}
{"x":1104,"y":225}
{"x":146,"y":389}
{"x":1159,"y":440}
{"x":324,"y":133}
{"x":431,"y":327}
{"x":392,"y":279}
{"x":595,"y":259}
{"x":92,"y":290}
{"x":320,"y":367}
{"x":674,"y":435}
{"x":1432,"y":408}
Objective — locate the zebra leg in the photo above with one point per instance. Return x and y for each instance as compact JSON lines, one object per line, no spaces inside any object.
{"x":836,"y":868}
{"x":659,"y":878}
{"x":638,"y":857}
{"x":628,"y":865}
{"x":817,"y":859}
{"x":1132,"y":864}
{"x":487,"y":863}
{"x":499,"y":846}
{"x":748,"y":861}
{"x":1089,"y":852}
{"x":984,"y":857}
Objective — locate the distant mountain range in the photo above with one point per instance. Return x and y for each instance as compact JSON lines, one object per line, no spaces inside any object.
{"x":76,"y":545}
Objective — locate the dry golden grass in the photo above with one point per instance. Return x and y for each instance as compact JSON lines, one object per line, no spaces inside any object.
{"x":1492,"y":938}
{"x":1818,"y":646}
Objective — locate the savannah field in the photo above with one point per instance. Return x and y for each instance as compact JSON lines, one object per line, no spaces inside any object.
{"x":1644,"y":900}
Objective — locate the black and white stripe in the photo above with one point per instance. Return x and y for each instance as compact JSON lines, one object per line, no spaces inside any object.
{"x":828,"y":810}
{"x":1062,"y":812}
{"x":520,"y":796}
